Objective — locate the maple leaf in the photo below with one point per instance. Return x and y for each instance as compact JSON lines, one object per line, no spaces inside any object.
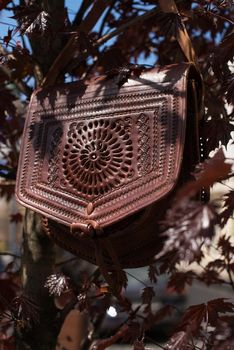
{"x":25,"y":309}
{"x":152,"y":273}
{"x":209,"y":312}
{"x":213,"y":170}
{"x":20,"y":63}
{"x":192,"y":225}
{"x":146,"y":297}
{"x":228,"y":87}
{"x":169,"y":23}
{"x":225,"y":51}
{"x":227,"y":248}
{"x":32,"y":20}
{"x":57,"y":284}
{"x":179,"y":280}
{"x":160,"y":315}
{"x":228,"y":208}
{"x":119,"y":278}
{"x":217,"y":307}
{"x":216,"y":130}
{"x":7,"y":38}
{"x":210,"y":277}
{"x":179,"y":341}
{"x":40,"y":25}
{"x":218,"y":264}
{"x":83,"y":302}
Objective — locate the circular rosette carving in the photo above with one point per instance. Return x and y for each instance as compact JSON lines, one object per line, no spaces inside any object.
{"x":97,"y":156}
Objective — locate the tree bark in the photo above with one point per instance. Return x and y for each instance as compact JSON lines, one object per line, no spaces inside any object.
{"x":37,"y":265}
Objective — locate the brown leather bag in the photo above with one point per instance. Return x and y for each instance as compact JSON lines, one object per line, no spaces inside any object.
{"x":100,"y":162}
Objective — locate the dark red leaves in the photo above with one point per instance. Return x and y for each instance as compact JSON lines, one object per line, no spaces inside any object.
{"x":169,"y":23}
{"x":40,"y":25}
{"x":224,"y":53}
{"x":20,"y":63}
{"x":209,"y":313}
{"x":179,"y":280}
{"x":217,"y":307}
{"x":154,"y":318}
{"x":26,"y":310}
{"x":7,"y":38}
{"x":32,"y":20}
{"x":57,"y":284}
{"x":179,"y":341}
{"x":152,"y":273}
{"x":217,"y":129}
{"x":207,"y":173}
{"x":213,"y":170}
{"x":147,"y":295}
{"x":210,"y":276}
{"x":191,"y":226}
{"x":226,"y":247}
{"x":83,"y":302}
{"x":228,"y":208}
{"x":229,"y":88}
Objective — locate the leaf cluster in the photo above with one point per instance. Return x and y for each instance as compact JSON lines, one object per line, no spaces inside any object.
{"x":47,"y":46}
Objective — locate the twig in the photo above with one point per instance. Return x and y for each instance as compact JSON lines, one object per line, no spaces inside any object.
{"x":129,"y":23}
{"x":137,"y":279}
{"x":83,"y":8}
{"x":105,"y":18}
{"x":219,"y":16}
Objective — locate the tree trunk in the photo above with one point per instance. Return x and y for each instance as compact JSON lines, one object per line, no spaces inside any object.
{"x":37,"y":265}
{"x":38,"y":250}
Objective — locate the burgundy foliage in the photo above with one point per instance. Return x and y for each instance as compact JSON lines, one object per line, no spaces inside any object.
{"x":28,"y":55}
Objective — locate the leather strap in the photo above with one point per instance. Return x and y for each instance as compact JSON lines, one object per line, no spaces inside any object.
{"x":169,"y":6}
{"x":102,"y":245}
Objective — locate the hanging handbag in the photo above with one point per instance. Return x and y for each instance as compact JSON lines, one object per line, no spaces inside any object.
{"x":100,"y":161}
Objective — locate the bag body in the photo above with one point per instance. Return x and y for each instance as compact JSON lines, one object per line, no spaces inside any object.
{"x":100,"y":162}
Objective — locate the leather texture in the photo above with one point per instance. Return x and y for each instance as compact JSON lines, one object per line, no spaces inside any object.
{"x":100,"y":161}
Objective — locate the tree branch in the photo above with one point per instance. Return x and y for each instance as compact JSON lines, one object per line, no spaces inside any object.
{"x":62,"y":59}
{"x":83,"y":8}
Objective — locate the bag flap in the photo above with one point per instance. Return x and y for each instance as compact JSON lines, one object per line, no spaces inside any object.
{"x":99,"y":152}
